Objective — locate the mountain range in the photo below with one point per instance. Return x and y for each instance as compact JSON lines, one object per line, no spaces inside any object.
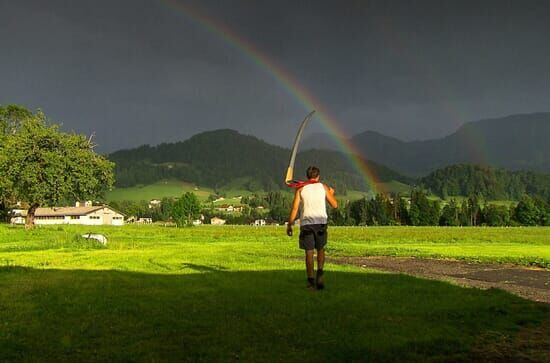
{"x":223,"y":158}
{"x":516,"y":142}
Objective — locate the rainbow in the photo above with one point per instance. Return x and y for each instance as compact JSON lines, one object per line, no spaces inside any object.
{"x":287,"y":82}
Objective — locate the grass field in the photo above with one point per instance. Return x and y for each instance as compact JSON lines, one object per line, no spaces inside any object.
{"x":395,"y":187}
{"x":238,"y":293}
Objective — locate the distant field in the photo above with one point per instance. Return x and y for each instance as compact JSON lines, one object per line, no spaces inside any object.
{"x":351,"y":195}
{"x":157,"y":191}
{"x":459,"y":199}
{"x":171,"y":189}
{"x":236,"y":293}
{"x":390,"y":187}
{"x":395,"y":187}
{"x":175,"y":189}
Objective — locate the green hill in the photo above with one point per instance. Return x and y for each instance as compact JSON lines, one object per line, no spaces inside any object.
{"x":158,"y":190}
{"x":227,"y":159}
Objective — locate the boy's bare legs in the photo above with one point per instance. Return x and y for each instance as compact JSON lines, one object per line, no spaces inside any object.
{"x":320,"y":259}
{"x":310,"y":268}
{"x":320,"y":265}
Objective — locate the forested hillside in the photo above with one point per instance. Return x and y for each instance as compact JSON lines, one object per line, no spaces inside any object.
{"x":490,"y":182}
{"x":221,"y":157}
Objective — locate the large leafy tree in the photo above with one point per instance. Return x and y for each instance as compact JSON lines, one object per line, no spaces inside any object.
{"x":11,"y":118}
{"x":527,"y":212}
{"x":423,"y":212}
{"x":186,"y":209}
{"x":43,"y":166}
{"x":279,"y":205}
{"x":496,"y":215}
{"x":450,"y":214}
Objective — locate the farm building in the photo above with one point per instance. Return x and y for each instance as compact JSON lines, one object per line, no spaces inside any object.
{"x":198,"y":222}
{"x":154,"y":203}
{"x":259,"y":222}
{"x":230,"y":208}
{"x":217,"y":221}
{"x":18,"y":216}
{"x":87,"y":215}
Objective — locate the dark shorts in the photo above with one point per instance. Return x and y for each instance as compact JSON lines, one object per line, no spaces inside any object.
{"x":313,"y":236}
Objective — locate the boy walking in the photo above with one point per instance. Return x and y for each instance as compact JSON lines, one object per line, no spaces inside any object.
{"x":311,"y":200}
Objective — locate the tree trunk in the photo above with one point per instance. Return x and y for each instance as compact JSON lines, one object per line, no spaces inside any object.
{"x":29,"y":221}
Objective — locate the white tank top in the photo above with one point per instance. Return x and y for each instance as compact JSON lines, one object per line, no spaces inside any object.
{"x":314,"y":208}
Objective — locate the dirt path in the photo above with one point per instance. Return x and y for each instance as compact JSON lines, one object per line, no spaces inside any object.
{"x":530,"y":283}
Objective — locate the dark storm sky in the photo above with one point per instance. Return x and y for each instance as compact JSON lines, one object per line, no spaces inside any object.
{"x":139,"y":71}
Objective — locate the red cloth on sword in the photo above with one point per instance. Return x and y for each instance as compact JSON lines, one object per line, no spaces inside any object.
{"x":301,"y":183}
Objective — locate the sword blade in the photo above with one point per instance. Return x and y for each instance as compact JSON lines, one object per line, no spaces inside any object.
{"x":290,"y":170}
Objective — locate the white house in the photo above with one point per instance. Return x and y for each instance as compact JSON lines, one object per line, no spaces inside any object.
{"x":217,"y":221}
{"x":18,"y":216}
{"x":230,"y":208}
{"x":154,"y":203}
{"x":88,"y":215}
{"x":259,"y":222}
{"x":87,"y":203}
{"x":198,"y":222}
{"x":225,"y":208}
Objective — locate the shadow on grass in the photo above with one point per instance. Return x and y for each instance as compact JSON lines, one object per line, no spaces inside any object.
{"x":216,"y":315}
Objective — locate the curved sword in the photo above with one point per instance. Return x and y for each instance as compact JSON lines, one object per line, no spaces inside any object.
{"x":290,"y":171}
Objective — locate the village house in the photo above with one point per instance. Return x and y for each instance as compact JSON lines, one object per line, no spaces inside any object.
{"x":154,"y":203}
{"x":225,"y":208}
{"x":230,"y":208}
{"x":259,"y":222}
{"x":85,"y":215}
{"x":198,"y":222}
{"x":17,"y":216}
{"x":217,"y":221}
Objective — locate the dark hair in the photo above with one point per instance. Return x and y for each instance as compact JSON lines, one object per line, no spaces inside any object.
{"x":312,"y":172}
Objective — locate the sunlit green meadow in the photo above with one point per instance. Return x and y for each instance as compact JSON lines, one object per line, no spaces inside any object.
{"x":228,"y":293}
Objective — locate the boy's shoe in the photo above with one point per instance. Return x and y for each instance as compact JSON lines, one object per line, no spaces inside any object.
{"x":310,"y":283}
{"x":320,"y":282}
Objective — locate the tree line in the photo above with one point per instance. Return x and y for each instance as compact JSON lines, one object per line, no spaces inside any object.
{"x":415,"y":209}
{"x":419,"y":210}
{"x":492,"y":183}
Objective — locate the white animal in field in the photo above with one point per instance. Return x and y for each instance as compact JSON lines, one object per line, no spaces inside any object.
{"x":98,"y":237}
